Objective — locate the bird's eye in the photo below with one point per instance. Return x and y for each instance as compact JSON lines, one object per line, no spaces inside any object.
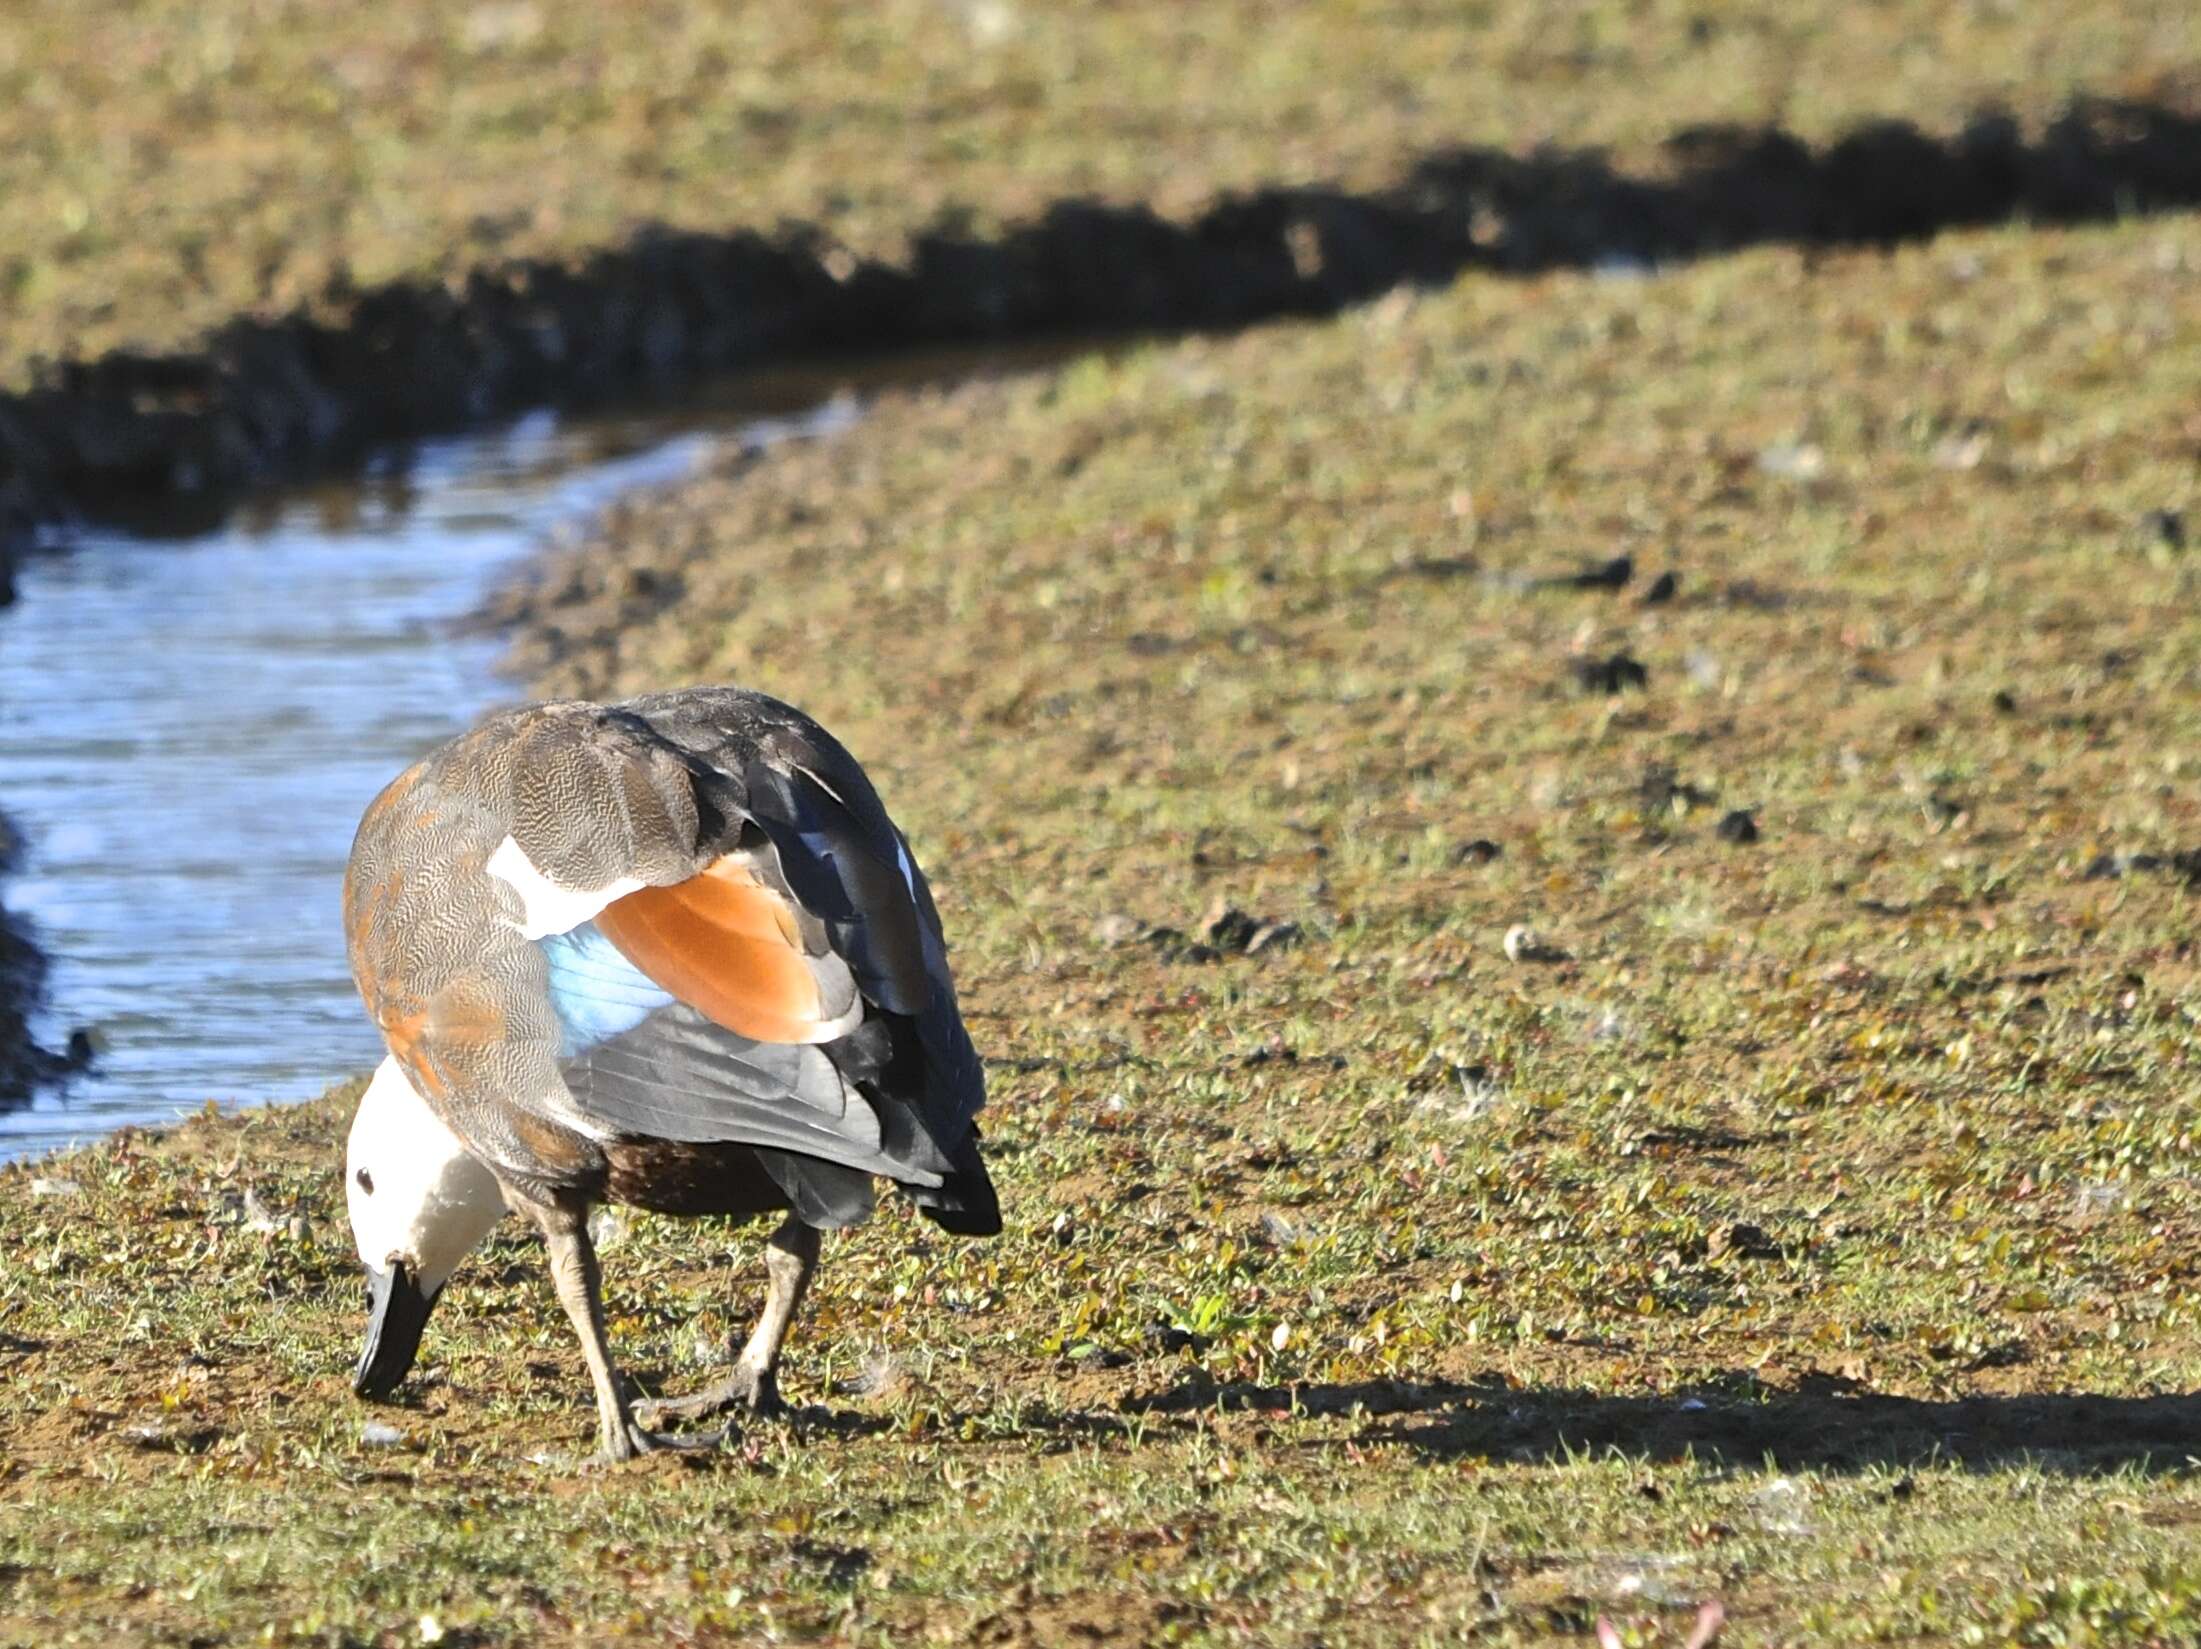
{"x":366,"y":1181}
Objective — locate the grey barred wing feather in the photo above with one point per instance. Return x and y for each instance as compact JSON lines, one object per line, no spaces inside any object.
{"x":806,"y":1006}
{"x":684,"y":919}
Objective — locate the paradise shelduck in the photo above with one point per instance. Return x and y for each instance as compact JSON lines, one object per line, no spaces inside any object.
{"x":670,"y":953}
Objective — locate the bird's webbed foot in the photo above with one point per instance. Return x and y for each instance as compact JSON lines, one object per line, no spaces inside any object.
{"x":748,"y":1387}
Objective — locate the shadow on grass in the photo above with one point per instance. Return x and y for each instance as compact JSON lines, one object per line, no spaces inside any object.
{"x":171,"y":441}
{"x":1820,"y":1426}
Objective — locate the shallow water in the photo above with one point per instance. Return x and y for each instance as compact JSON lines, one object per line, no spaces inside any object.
{"x":189,"y":730}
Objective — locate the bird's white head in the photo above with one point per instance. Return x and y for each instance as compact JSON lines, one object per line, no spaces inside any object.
{"x":419,"y":1204}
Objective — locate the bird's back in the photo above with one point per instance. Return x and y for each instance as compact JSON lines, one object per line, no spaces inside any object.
{"x":592,"y":931}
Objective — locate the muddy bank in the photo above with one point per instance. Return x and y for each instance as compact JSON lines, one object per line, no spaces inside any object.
{"x":172,"y":441}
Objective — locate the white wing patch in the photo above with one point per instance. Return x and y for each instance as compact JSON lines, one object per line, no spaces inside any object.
{"x":545,"y":907}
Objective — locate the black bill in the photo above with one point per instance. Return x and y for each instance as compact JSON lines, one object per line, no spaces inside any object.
{"x":397,"y":1310}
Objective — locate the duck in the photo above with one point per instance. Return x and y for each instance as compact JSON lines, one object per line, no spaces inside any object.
{"x":669,"y":953}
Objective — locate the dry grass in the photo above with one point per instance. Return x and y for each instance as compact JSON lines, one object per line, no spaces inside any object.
{"x":166,"y":165}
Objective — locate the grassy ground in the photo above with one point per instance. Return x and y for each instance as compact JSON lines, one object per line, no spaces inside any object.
{"x":1817,"y":1227}
{"x":168,"y":164}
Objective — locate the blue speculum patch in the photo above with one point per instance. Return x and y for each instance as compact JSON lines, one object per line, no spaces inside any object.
{"x":596,"y":992}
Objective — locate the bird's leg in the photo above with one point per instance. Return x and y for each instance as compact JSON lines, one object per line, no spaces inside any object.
{"x":580,"y":1287}
{"x":790,"y":1261}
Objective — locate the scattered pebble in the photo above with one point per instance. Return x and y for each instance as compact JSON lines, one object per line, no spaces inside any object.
{"x":377,"y":1434}
{"x":1524,"y":944}
{"x":1739,"y":827}
{"x":1277,"y":1231}
{"x":56,"y":1188}
{"x":1478,"y":852}
{"x":1611,"y":676}
{"x":1117,"y":928}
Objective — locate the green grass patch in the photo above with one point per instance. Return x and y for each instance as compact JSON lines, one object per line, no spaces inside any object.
{"x":1818,"y":1228}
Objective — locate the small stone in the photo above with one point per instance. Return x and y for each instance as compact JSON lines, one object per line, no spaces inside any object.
{"x":1277,"y":1231}
{"x":377,"y":1434}
{"x":2005,"y":702}
{"x":43,"y":1187}
{"x":1478,"y":852}
{"x":1663,"y":589}
{"x":1739,"y":827}
{"x":1118,"y":929}
{"x":1524,"y":944}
